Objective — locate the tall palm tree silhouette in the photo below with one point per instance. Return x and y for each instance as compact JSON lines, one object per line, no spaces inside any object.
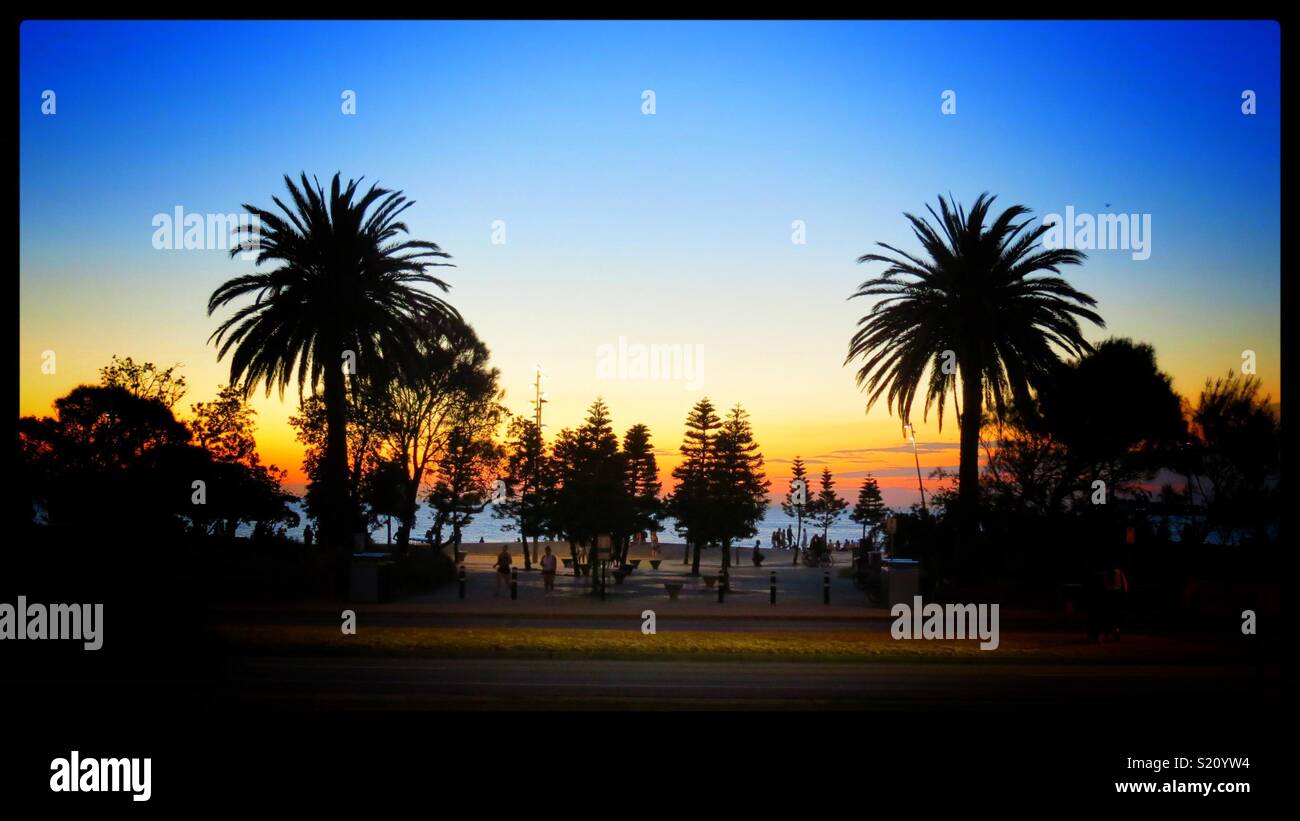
{"x":969,"y":306}
{"x":344,"y":281}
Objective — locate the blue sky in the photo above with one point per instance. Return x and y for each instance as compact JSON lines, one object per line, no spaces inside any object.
{"x":673,"y":227}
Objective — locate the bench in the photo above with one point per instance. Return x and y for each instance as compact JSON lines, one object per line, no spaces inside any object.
{"x":673,"y":589}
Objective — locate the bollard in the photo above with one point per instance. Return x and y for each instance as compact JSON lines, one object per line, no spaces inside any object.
{"x":461,"y":578}
{"x":826,"y":588}
{"x":772,"y":594}
{"x":722,"y":586}
{"x":514,"y":583}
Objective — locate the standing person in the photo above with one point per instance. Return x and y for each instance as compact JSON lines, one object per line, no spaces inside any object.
{"x":503,"y":568}
{"x":308,"y":536}
{"x":1116,"y":584}
{"x":548,"y":570}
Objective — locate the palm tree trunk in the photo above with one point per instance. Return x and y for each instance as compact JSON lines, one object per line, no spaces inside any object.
{"x":968,"y":474}
{"x":336,"y":519}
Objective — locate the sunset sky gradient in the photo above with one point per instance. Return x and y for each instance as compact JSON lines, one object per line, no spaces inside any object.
{"x":671,"y":228}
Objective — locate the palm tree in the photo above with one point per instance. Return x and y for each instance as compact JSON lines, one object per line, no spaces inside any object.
{"x":970,"y":296}
{"x":344,"y":281}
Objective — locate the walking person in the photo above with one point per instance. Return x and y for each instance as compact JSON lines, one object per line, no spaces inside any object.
{"x":548,"y":570}
{"x":503,"y":568}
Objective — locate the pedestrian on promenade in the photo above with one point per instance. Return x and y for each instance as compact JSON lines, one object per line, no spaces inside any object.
{"x":503,"y":568}
{"x":548,"y":570}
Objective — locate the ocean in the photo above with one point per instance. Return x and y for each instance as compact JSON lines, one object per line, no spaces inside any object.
{"x":489,"y":528}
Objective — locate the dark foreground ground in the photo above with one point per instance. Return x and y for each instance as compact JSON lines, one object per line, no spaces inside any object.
{"x":304,"y":720}
{"x":539,"y":684}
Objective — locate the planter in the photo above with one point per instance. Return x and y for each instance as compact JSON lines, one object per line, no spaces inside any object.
{"x":673,"y":589}
{"x":654,"y":563}
{"x":710,"y":581}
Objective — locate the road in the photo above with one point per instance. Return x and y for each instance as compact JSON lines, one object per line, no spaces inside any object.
{"x":443,"y":683}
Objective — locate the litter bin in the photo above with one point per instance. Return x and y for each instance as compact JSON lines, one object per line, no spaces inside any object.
{"x":372,"y":578}
{"x":902,"y":580}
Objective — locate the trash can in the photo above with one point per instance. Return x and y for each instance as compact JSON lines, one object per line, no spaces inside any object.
{"x":902,"y":580}
{"x":372,"y":578}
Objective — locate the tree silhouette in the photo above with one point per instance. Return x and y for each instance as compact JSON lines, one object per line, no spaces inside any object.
{"x":827,"y":506}
{"x":642,"y":480}
{"x":592,"y":497}
{"x":969,"y":306}
{"x":342,"y":280}
{"x":1234,"y":464}
{"x":870,"y":510}
{"x":224,"y":427}
{"x":1116,"y":415}
{"x":737,"y":487}
{"x":144,"y":380}
{"x":795,"y":503}
{"x":688,"y":504}
{"x":529,"y":474}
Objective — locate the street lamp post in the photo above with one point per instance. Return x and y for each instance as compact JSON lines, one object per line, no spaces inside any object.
{"x":539,"y":399}
{"x":911,"y":434}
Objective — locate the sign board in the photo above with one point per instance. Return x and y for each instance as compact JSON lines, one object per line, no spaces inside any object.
{"x":604,"y":546}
